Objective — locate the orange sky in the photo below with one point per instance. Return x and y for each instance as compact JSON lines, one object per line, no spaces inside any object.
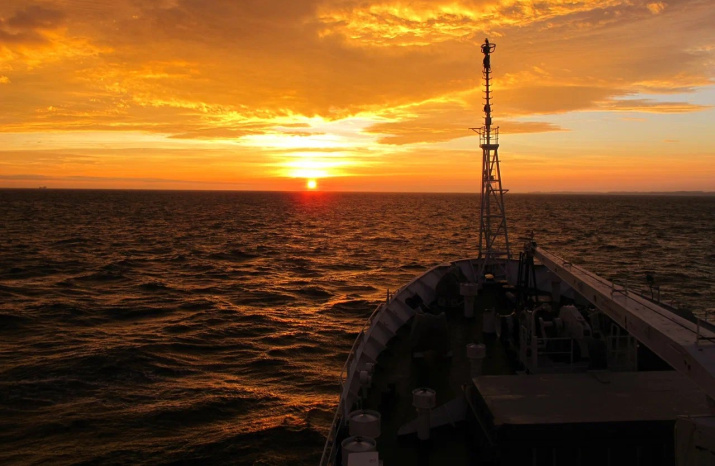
{"x":362,"y":95}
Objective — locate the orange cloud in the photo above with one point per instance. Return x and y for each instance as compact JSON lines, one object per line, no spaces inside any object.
{"x":371,"y":82}
{"x":444,"y":121}
{"x":27,"y":25}
{"x":652,"y":106}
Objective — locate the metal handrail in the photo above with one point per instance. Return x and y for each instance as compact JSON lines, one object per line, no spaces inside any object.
{"x":337,"y":418}
{"x":623,"y":290}
{"x":329,"y":450}
{"x":698,"y":337}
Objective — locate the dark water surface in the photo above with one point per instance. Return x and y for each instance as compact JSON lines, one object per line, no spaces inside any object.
{"x":211,"y":327}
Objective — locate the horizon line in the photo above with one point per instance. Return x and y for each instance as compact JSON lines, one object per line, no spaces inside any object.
{"x":643,"y":193}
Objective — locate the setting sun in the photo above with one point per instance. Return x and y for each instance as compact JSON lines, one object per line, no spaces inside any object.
{"x":312,"y":184}
{"x":87,"y":107}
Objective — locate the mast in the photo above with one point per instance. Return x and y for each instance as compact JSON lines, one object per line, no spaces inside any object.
{"x":493,"y":236}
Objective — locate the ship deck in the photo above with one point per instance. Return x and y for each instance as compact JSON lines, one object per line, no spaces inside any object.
{"x":590,"y":397}
{"x":398,"y":372}
{"x":575,"y":418}
{"x":589,"y":418}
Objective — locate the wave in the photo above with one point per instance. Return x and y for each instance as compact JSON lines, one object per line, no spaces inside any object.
{"x":155,"y":286}
{"x":103,"y":276}
{"x":353,"y":306}
{"x":234,"y":255}
{"x":312,"y":292}
{"x":134,"y":313}
{"x":189,"y":408}
{"x":115,"y":344}
{"x":71,"y":241}
{"x":262,"y":297}
{"x":12,"y":322}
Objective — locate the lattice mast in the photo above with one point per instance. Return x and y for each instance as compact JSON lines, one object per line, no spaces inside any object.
{"x":493,"y":236}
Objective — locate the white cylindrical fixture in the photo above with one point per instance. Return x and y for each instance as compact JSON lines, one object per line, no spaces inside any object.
{"x":424,"y":399}
{"x":364,"y":423}
{"x":476,"y":354}
{"x":469,"y":291}
{"x":489,"y":321}
{"x":423,"y":427}
{"x":356,"y":445}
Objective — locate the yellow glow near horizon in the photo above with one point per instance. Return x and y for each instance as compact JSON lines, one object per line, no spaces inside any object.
{"x":315,"y":165}
{"x":311,"y":184}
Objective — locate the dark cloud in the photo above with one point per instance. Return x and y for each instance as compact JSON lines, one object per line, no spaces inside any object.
{"x":25,"y":26}
{"x":36,"y":17}
{"x":417,"y":131}
{"x":544,"y":99}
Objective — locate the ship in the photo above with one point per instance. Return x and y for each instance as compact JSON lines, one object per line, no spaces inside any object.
{"x":524,"y":357}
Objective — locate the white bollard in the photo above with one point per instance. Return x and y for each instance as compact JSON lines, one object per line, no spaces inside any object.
{"x":476,"y":354}
{"x":364,"y":423}
{"x":424,"y":399}
{"x":353,"y":445}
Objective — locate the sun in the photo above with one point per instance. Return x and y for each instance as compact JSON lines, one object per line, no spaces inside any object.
{"x":311,"y":184}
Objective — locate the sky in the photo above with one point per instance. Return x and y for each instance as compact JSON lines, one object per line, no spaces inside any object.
{"x":358,"y":95}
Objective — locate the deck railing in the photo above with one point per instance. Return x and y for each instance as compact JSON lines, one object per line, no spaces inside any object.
{"x":328,"y":451}
{"x":554,"y":348}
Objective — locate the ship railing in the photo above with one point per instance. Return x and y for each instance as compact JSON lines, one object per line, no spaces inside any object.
{"x":622,"y":349}
{"x":553,"y":348}
{"x":358,"y":341}
{"x":630,"y":294}
{"x":622,"y":353}
{"x":329,"y":451}
{"x":701,"y":323}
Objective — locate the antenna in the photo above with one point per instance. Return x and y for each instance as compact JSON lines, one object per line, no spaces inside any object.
{"x":493,"y":236}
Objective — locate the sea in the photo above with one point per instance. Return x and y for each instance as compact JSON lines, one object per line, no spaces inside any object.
{"x":166,"y":327}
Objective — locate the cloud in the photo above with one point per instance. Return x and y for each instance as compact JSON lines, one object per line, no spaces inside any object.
{"x":27,"y":26}
{"x":652,"y":106}
{"x":545,"y":99}
{"x":391,"y":23}
{"x":217,"y":133}
{"x":423,"y":130}
{"x":227,"y":59}
{"x":365,"y":76}
{"x":445,"y":119}
{"x":36,"y":17}
{"x":656,"y":7}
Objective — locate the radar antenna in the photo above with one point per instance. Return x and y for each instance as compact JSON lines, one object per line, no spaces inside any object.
{"x":493,"y":237}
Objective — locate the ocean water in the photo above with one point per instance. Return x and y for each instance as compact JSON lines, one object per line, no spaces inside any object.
{"x":211,"y":327}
